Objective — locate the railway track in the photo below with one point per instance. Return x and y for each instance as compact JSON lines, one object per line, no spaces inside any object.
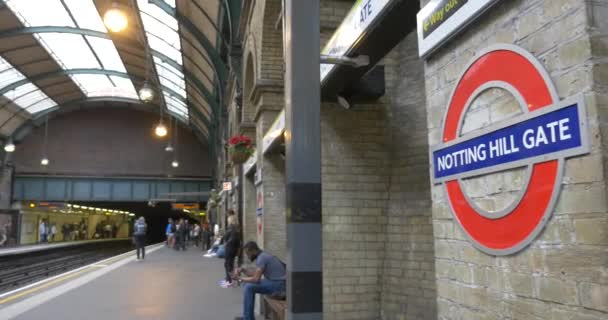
{"x":22,"y":268}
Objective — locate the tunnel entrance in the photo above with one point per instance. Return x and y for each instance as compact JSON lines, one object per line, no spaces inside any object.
{"x":156,"y":216}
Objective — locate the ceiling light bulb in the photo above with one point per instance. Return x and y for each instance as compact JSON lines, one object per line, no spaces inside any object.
{"x":161,"y":130}
{"x":175,"y":164}
{"x":146,"y":94}
{"x":9,"y":147}
{"x":169,"y":148}
{"x":44,"y":161}
{"x":115,"y":20}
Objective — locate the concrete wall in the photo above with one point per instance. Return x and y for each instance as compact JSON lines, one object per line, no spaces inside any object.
{"x":563,"y":273}
{"x":110,"y":141}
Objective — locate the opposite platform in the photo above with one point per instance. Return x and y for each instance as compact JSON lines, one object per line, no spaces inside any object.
{"x":167,"y":285}
{"x":51,"y":246}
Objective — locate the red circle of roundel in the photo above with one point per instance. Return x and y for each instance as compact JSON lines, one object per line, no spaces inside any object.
{"x":513,"y":229}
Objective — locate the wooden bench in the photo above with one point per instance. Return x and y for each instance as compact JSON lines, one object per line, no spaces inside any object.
{"x":273,"y":309}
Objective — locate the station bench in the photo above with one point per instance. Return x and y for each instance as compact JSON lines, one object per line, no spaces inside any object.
{"x":273,"y":309}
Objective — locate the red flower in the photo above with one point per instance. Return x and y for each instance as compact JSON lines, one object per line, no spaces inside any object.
{"x":241,"y":141}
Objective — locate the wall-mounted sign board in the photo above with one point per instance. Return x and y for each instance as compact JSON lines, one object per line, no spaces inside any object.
{"x":539,"y":140}
{"x":250,"y":164}
{"x":227,"y":186}
{"x":275,"y":132}
{"x":359,"y":19}
{"x":440,"y":20}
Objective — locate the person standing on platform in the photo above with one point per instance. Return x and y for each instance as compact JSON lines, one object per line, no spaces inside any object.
{"x":170,"y":233}
{"x":232,"y":243}
{"x":205,"y":237}
{"x":139,"y":235}
{"x":196,"y":234}
{"x":42,"y":231}
{"x":53,"y":232}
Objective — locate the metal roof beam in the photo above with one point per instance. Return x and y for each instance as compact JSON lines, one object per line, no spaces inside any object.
{"x":54,"y":29}
{"x":218,"y":64}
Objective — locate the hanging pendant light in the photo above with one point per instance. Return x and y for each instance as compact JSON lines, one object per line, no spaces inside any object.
{"x":160,"y":130}
{"x":45,"y":159}
{"x":169,"y":147}
{"x":175,"y":163}
{"x":146,"y":93}
{"x":115,"y":19}
{"x":9,"y":146}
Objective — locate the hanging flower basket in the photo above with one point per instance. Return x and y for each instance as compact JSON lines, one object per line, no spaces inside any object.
{"x":238,"y":157}
{"x":241,"y":148}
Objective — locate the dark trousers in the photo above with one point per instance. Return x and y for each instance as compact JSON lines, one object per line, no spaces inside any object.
{"x":229,"y":263}
{"x":140,"y":244}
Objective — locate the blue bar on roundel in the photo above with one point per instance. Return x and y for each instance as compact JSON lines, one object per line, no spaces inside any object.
{"x":542,"y":135}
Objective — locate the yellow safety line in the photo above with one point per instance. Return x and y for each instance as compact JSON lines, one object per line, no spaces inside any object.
{"x":48,"y":284}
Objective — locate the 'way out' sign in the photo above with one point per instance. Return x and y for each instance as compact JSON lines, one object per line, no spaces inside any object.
{"x":440,"y":20}
{"x":546,"y":132}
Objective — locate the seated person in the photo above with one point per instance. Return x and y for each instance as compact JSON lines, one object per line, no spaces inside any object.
{"x":273,"y":282}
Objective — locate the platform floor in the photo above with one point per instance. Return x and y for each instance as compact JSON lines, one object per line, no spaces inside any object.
{"x":167,"y":285}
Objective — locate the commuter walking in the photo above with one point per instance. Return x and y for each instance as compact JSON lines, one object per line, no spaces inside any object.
{"x":232,"y":243}
{"x":180,"y":235}
{"x":139,"y":236}
{"x":42,"y":231}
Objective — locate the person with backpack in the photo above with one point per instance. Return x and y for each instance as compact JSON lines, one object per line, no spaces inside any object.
{"x":139,"y":236}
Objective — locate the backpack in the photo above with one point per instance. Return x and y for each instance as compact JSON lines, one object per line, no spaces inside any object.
{"x":140,"y":228}
{"x":173,"y":228}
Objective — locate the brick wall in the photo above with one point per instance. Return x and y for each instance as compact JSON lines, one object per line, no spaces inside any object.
{"x":355,"y":169}
{"x":562,"y":275}
{"x":408,"y":286}
{"x":110,"y":141}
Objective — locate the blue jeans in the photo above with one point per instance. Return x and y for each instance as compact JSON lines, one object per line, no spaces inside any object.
{"x":263,"y":287}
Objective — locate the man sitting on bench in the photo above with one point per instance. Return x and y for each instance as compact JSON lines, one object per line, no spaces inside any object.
{"x":272,"y":284}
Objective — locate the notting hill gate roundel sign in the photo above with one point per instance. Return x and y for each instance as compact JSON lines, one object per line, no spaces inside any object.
{"x":539,"y":139}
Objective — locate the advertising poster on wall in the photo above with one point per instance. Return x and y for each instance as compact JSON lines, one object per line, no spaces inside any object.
{"x":8,"y":228}
{"x":260,"y":214}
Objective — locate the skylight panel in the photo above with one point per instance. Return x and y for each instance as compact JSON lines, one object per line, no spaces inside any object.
{"x":8,"y":74}
{"x":86,"y":15}
{"x":99,"y":85}
{"x":72,"y":51}
{"x":107,"y":54}
{"x":162,"y":34}
{"x":41,"y":105}
{"x":41,"y":13}
{"x":27,"y":96}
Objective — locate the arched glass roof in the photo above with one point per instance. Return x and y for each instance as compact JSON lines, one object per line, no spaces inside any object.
{"x":57,"y":52}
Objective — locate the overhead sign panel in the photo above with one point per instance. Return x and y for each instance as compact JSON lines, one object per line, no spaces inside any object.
{"x":440,"y":20}
{"x":187,"y":206}
{"x":362,"y":15}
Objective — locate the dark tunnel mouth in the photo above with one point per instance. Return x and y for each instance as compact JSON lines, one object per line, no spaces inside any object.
{"x":156,"y":216}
